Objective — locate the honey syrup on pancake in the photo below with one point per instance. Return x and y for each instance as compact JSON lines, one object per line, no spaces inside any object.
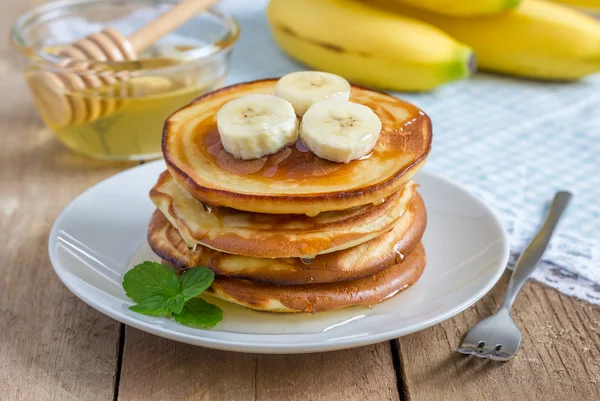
{"x":399,"y":254}
{"x":296,"y":161}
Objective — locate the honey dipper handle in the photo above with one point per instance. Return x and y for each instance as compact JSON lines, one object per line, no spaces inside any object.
{"x":167,"y":22}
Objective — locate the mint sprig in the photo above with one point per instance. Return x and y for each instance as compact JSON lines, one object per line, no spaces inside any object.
{"x":149,"y":279}
{"x":158,"y":291}
{"x":159,"y":305}
{"x":194,"y":281}
{"x":198,"y":312}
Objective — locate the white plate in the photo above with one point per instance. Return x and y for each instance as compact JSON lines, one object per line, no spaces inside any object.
{"x":103,"y":232}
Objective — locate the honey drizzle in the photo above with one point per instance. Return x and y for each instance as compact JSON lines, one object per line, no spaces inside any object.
{"x":399,"y":255}
{"x":301,"y":146}
{"x":302,"y":163}
{"x":271,"y":171}
{"x":299,"y":163}
{"x":214,"y":149}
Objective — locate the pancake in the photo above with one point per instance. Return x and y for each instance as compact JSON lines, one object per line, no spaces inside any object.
{"x":294,"y":180}
{"x":350,"y":264}
{"x":322,"y":297}
{"x":263,"y":235}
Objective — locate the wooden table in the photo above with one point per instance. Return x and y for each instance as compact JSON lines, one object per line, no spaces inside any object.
{"x":55,"y":347}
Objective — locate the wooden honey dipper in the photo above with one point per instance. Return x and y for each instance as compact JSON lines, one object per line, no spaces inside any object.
{"x":51,"y":88}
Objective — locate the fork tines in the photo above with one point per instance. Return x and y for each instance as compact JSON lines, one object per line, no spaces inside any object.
{"x":480,"y":350}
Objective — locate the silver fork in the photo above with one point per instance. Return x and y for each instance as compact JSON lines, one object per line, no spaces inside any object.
{"x":498,"y":337}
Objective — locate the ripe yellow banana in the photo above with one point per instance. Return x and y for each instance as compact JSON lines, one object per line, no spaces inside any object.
{"x":537,"y":39}
{"x":593,"y":5}
{"x":465,"y":7}
{"x":368,"y":45}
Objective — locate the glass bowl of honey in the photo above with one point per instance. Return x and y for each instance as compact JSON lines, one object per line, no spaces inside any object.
{"x":115,"y":110}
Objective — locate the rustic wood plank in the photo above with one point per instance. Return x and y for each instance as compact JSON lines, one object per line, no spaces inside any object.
{"x":159,"y":369}
{"x":559,"y":357}
{"x":52,"y":346}
{"x":365,"y":373}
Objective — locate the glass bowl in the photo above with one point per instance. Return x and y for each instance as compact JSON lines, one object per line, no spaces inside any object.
{"x":116,"y":110}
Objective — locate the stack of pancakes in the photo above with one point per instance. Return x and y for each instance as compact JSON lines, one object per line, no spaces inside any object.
{"x":292,"y":232}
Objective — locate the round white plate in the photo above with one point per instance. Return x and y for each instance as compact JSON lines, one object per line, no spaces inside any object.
{"x":102,"y":233}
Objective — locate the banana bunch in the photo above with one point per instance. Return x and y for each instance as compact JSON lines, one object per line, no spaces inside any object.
{"x":416,"y":45}
{"x":368,"y":45}
{"x":592,"y":5}
{"x":464,"y":7}
{"x":538,"y":39}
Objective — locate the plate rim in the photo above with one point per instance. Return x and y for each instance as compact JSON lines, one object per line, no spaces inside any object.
{"x":265,"y":347}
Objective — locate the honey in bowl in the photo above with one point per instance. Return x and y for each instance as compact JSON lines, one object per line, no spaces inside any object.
{"x":123,"y":120}
{"x":104,"y":75}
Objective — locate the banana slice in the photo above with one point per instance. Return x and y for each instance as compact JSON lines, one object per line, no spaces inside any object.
{"x":254,"y":126}
{"x":305,"y":88}
{"x":340,"y":131}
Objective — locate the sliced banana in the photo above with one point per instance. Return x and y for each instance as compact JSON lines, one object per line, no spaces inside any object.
{"x":254,"y":126}
{"x":340,"y":131}
{"x":305,"y":88}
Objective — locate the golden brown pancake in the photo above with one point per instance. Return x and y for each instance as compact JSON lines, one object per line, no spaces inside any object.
{"x":294,"y":180}
{"x":349,"y":264}
{"x":262,"y":235}
{"x":322,"y":297}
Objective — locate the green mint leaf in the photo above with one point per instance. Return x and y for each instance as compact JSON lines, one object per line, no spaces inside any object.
{"x":149,"y":279}
{"x":159,"y":305}
{"x":156,"y":305}
{"x":158,"y":291}
{"x":195,"y":281}
{"x":199,"y":313}
{"x":175,"y":304}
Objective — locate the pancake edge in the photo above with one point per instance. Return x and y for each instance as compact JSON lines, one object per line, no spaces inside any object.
{"x":313,"y":298}
{"x":321,"y":270}
{"x":279,"y":245}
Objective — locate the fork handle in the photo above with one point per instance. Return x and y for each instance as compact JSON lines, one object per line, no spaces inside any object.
{"x":535,"y":250}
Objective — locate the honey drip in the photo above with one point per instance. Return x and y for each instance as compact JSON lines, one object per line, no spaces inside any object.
{"x":307,"y":261}
{"x":215,"y":148}
{"x":270,"y":172}
{"x":301,"y":147}
{"x":399,"y":255}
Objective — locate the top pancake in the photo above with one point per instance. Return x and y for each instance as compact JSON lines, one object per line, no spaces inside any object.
{"x":294,"y":180}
